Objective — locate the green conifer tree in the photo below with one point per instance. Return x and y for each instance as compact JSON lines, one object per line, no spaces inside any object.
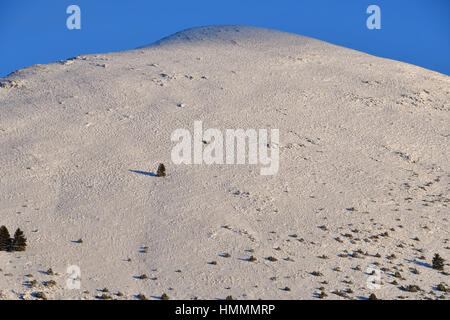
{"x":19,"y":242}
{"x":438,"y":262}
{"x":5,"y":239}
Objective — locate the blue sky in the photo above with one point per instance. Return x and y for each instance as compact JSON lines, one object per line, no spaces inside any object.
{"x":34,"y":31}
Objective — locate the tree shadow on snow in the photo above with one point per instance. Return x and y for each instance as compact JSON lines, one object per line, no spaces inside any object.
{"x":146,"y":173}
{"x":419,"y":263}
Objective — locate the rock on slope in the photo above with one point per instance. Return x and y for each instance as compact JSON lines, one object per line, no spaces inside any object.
{"x":363,"y":168}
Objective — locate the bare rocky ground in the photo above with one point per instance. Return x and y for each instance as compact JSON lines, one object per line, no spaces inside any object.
{"x":362,"y":186}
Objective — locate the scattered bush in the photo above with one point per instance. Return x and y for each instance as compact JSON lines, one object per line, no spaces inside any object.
{"x":49,"y":284}
{"x":31,"y":284}
{"x":442,"y":287}
{"x":438,"y":262}
{"x":41,"y":295}
{"x":289,"y":259}
{"x":373,"y":297}
{"x":411,"y":288}
{"x":141,"y":296}
{"x":161,"y":172}
{"x":341,"y":293}
{"x":164,"y":297}
{"x":414,"y":270}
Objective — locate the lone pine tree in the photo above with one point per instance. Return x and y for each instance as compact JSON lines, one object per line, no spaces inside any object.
{"x":19,"y":242}
{"x":5,"y":239}
{"x":161,"y":170}
{"x":438,"y":262}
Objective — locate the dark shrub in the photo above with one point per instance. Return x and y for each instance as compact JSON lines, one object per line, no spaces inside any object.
{"x":161,"y":172}
{"x":5,"y":239}
{"x":438,"y":262}
{"x":19,"y":242}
